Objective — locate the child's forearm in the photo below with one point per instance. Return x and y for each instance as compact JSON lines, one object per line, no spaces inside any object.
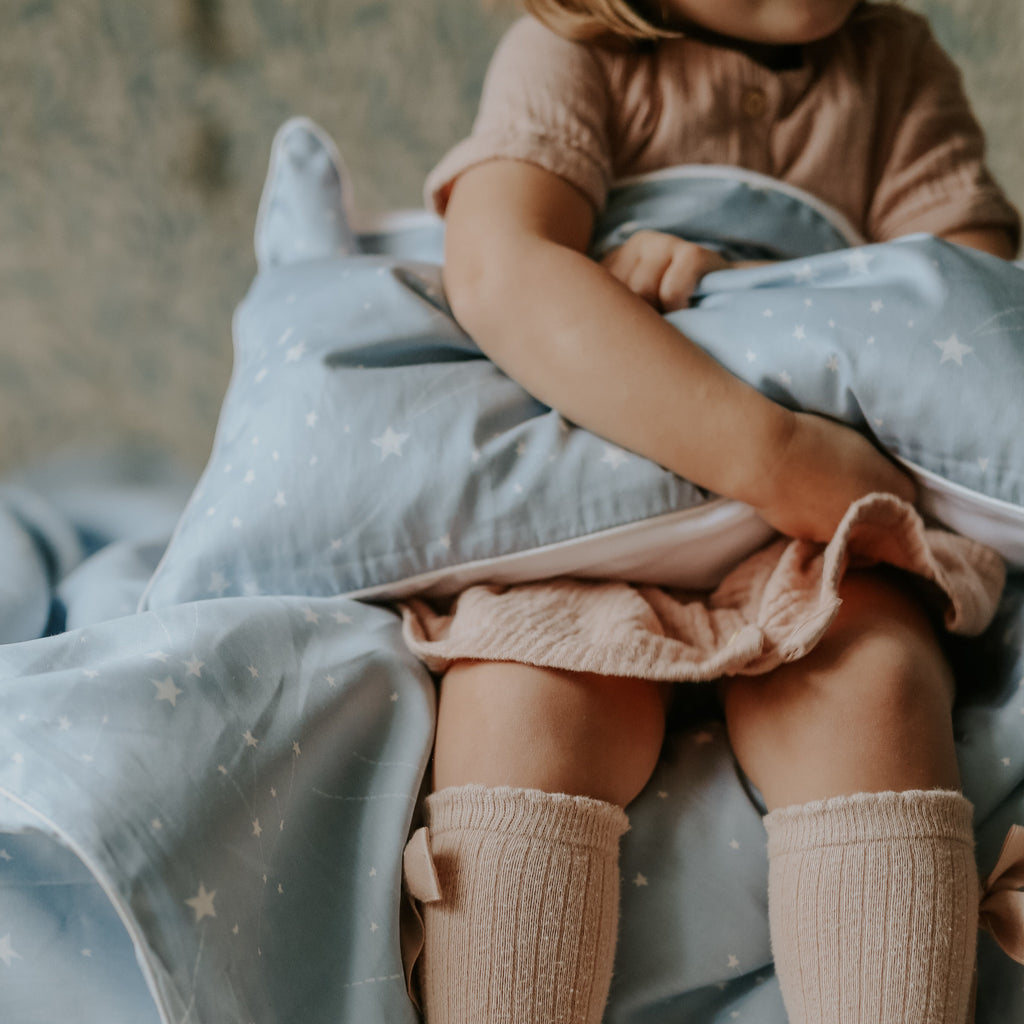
{"x":586,"y":344}
{"x":583,"y":343}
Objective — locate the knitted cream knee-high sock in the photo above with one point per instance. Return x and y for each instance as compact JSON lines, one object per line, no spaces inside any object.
{"x":873,"y":906}
{"x":524,"y":932}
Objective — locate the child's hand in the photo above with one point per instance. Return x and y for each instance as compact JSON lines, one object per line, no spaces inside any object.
{"x":662,"y":269}
{"x":821,"y":470}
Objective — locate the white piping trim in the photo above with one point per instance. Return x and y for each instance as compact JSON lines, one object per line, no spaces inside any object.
{"x":991,"y":521}
{"x":647,"y":551}
{"x":756,"y":180}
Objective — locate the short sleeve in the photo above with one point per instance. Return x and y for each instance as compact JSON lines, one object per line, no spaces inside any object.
{"x":545,"y":101}
{"x":934,"y":178}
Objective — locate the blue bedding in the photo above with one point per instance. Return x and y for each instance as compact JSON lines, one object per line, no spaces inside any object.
{"x":211,"y":756}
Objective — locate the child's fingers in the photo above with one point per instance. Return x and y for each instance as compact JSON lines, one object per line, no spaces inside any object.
{"x":680,"y":278}
{"x":640,"y":268}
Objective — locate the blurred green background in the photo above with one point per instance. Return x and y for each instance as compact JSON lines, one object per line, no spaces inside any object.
{"x":133,"y":143}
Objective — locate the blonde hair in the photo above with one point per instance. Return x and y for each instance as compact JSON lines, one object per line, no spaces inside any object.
{"x":590,"y":19}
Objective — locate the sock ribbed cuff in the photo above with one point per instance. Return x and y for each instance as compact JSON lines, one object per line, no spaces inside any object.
{"x":527,"y":813}
{"x":871,"y":817}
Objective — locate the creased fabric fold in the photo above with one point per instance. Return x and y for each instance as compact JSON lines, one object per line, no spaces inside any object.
{"x":772,"y":608}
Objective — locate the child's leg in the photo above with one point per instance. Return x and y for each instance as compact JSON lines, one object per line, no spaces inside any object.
{"x":531,"y":771}
{"x":872,"y":886}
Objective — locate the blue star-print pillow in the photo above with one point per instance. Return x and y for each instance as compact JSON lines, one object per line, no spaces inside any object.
{"x":367,"y":447}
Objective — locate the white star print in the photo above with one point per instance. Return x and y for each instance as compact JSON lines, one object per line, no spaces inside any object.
{"x":257,"y":828}
{"x":250,"y":740}
{"x":311,"y":418}
{"x":877,"y":305}
{"x":389,"y":443}
{"x":194,"y":666}
{"x":166,"y":690}
{"x":833,"y":363}
{"x":202,"y":903}
{"x":287,"y":334}
{"x":804,"y":273}
{"x":341,"y":618}
{"x":640,"y":880}
{"x":64,"y":723}
{"x":218,"y":584}
{"x":7,"y":951}
{"x":158,"y":656}
{"x":785,"y":378}
{"x":311,"y":616}
{"x":733,"y":961}
{"x":613,"y":457}
{"x":279,"y":499}
{"x":249,"y":477}
{"x":261,"y":376}
{"x":90,"y":673}
{"x":953,"y":350}
{"x":751,"y":355}
{"x":857,"y":261}
{"x":800,"y":333}
{"x":295,"y":353}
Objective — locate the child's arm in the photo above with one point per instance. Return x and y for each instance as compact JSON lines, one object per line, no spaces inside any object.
{"x":583,"y":343}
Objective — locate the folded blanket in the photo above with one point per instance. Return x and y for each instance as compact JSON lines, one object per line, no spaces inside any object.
{"x":773,"y":608}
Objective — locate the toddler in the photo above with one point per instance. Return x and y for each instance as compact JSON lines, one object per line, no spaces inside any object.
{"x":872,"y":884}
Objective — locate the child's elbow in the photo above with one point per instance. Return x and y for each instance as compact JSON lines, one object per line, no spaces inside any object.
{"x":476,"y":286}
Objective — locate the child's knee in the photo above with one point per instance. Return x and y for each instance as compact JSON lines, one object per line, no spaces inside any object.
{"x":866,"y":710}
{"x":516,"y":725}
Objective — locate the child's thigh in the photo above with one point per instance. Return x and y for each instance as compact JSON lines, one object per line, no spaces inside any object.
{"x":503,"y":723}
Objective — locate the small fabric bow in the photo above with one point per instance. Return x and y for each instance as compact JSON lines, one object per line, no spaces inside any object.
{"x":1002,"y":902}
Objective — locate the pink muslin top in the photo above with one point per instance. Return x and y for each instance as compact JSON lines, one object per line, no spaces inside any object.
{"x":873,"y":121}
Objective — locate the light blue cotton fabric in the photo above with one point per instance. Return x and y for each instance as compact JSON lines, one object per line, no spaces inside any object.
{"x":203,"y":807}
{"x":365,"y":441}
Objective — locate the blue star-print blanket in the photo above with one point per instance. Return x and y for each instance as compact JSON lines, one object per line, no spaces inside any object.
{"x":210,"y":761}
{"x":203,"y":807}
